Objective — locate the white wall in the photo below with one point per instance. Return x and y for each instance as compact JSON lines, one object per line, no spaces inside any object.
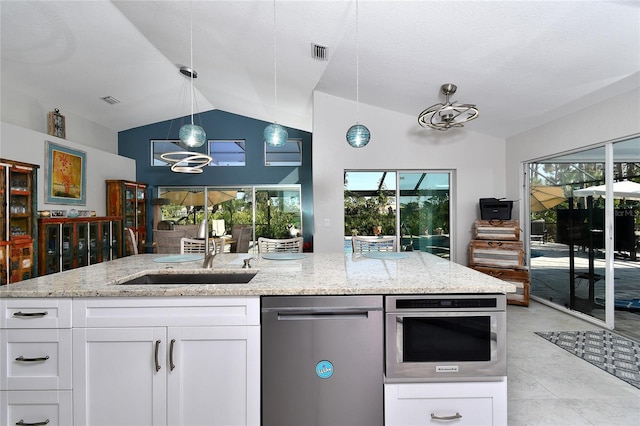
{"x":20,"y":144}
{"x":397,"y":143}
{"x":605,"y":121}
{"x":29,"y":113}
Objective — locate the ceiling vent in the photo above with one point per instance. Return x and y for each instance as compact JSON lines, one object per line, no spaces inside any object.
{"x":110,"y":100}
{"x":319,"y":53}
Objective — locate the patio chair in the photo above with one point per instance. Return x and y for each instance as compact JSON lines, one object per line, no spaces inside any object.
{"x":192,"y":245}
{"x":132,"y":241}
{"x":286,"y":245}
{"x":241,"y":237}
{"x":367,"y":244}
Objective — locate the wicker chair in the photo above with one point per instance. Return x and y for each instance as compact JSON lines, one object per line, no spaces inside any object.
{"x":368,"y":244}
{"x":288,"y":245}
{"x":168,"y":241}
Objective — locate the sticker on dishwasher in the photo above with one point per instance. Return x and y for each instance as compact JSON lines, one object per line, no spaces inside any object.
{"x":324,"y":369}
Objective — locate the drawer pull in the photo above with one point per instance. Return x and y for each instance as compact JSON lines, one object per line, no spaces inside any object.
{"x":492,"y":243}
{"x":23,"y":359}
{"x":156,"y":355}
{"x":30,"y":315}
{"x":22,"y":423}
{"x":454,"y":417}
{"x":171,"y":364}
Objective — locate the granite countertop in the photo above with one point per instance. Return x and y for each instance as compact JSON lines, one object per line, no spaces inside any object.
{"x":311,"y":274}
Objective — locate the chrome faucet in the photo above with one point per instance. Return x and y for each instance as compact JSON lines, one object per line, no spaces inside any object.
{"x":247,"y":262}
{"x":208,"y":258}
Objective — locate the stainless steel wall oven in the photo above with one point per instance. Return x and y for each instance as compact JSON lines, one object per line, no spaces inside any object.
{"x":434,"y":338}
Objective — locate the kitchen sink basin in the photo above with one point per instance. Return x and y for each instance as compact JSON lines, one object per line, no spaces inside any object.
{"x":203,"y":278}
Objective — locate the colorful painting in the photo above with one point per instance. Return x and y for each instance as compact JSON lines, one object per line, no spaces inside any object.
{"x":66,"y":175}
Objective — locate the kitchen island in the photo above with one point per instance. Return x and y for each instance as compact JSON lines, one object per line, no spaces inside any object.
{"x":312,"y":274}
{"x":80,"y":347}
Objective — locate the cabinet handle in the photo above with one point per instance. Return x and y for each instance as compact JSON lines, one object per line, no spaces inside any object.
{"x":171,"y":364}
{"x":497,"y":243}
{"x":156,"y":355}
{"x":22,"y":423}
{"x":454,"y":417}
{"x":30,"y":314}
{"x":23,"y":359}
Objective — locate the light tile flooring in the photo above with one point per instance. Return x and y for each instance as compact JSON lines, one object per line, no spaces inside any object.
{"x":549,"y":386}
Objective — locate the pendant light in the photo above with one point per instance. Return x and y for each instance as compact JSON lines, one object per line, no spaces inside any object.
{"x":191,"y":135}
{"x":446,"y":115}
{"x":274,"y":134}
{"x":358,"y":135}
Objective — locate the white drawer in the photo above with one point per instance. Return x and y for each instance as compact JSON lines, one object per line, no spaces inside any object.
{"x":35,"y":313}
{"x":468,"y":403}
{"x":165,"y":311}
{"x":35,"y":359}
{"x":36,"y":407}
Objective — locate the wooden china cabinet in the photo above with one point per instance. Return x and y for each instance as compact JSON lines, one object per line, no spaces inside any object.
{"x":18,"y":229}
{"x":128,"y":199}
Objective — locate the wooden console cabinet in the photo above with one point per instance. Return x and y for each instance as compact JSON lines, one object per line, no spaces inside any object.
{"x":68,"y":243}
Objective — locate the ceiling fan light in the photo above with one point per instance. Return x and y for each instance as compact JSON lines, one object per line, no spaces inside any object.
{"x":444,"y":116}
{"x":358,"y":135}
{"x":192,"y":136}
{"x":275,"y":135}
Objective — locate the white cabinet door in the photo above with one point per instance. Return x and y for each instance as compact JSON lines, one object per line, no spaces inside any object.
{"x":115,"y":377}
{"x":216,"y":378}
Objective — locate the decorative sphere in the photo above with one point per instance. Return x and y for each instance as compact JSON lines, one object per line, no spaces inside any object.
{"x":192,"y":136}
{"x":275,"y":135}
{"x":358,"y":135}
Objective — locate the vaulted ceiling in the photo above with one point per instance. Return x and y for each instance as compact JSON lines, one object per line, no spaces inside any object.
{"x":522,"y":62}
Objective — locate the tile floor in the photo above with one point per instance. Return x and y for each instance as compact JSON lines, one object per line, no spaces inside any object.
{"x":549,"y":386}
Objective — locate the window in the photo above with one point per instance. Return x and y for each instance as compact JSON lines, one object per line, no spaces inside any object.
{"x":413,"y":205}
{"x":227,"y":152}
{"x":159,"y":147}
{"x":290,"y":154}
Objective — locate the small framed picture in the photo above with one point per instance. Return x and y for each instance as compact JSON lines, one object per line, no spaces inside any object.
{"x":56,"y":124}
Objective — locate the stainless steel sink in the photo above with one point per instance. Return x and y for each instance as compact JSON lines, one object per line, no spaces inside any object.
{"x":203,"y":278}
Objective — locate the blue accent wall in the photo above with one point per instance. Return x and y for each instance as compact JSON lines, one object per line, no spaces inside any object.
{"x":135,"y":144}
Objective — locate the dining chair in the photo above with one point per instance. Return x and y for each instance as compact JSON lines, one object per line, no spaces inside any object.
{"x":368,"y":244}
{"x":287,"y":245}
{"x":192,"y":245}
{"x":168,"y":241}
{"x":241,"y":237}
{"x":132,"y":241}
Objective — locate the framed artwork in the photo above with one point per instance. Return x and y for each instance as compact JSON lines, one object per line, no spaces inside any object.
{"x":56,"y":124}
{"x":65,"y":180}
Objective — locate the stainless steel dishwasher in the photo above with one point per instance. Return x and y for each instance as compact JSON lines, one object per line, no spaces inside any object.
{"x":322,"y":361}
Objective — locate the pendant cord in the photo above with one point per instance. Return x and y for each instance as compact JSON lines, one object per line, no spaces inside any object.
{"x":191,"y":53}
{"x":275,"y":63}
{"x":357,"y":68}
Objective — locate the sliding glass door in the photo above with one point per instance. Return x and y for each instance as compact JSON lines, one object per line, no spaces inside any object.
{"x":583,"y":234}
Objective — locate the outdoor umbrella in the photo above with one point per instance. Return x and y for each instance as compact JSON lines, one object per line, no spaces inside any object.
{"x":545,"y":197}
{"x":623,"y":189}
{"x":196,"y":197}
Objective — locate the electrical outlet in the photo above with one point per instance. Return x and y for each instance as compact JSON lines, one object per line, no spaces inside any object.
{"x":326,"y":222}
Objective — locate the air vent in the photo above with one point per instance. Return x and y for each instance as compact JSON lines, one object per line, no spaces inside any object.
{"x":320,"y":53}
{"x":110,"y":100}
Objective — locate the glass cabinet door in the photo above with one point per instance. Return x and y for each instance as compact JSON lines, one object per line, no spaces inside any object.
{"x":52,"y":249}
{"x":3,"y":203}
{"x":94,"y":237}
{"x":116,"y":239}
{"x":105,"y":241}
{"x":82,"y":249}
{"x":20,"y":204}
{"x":67,"y":246}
